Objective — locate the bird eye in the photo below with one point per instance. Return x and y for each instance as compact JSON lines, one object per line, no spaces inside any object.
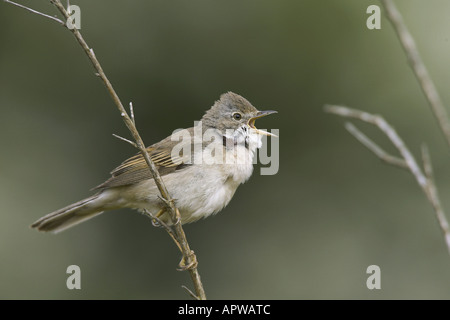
{"x":237,"y":116}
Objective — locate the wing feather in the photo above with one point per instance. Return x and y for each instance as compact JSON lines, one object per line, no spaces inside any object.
{"x":135,"y":169}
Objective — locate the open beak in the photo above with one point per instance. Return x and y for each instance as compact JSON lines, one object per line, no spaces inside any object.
{"x":260,"y":114}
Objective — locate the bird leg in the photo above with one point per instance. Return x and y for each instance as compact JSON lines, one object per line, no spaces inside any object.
{"x":157,"y":222}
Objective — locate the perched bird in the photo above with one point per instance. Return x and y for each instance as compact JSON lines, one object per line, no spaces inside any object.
{"x":201,"y":167}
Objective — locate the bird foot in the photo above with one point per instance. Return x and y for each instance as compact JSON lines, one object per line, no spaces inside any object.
{"x":183,"y":265}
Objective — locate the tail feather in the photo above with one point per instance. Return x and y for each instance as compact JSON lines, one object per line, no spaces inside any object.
{"x":69,"y":216}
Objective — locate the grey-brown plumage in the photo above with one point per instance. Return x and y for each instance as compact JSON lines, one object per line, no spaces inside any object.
{"x":199,"y":189}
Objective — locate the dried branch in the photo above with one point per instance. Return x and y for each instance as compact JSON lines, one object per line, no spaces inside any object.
{"x":425,"y":182}
{"x":372,"y":146}
{"x":188,"y":255}
{"x":418,"y":67}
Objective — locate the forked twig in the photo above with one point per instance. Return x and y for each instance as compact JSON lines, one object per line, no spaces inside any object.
{"x":372,"y":146}
{"x":426,"y":182}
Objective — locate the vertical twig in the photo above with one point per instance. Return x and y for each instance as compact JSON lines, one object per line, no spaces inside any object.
{"x":418,"y":67}
{"x":132,"y":113}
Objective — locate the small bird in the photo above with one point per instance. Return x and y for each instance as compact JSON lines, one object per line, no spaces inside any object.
{"x":215,"y":157}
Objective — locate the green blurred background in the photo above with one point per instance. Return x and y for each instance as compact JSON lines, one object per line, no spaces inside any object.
{"x":308,"y":232}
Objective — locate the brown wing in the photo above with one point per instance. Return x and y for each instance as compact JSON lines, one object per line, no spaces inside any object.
{"x":135,"y":169}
